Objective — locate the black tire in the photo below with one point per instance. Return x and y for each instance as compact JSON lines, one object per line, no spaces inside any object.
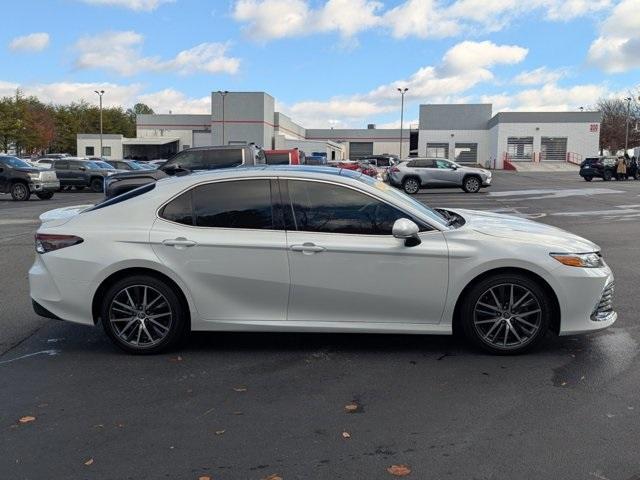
{"x":20,"y":192}
{"x":607,"y":175}
{"x":479,"y":292}
{"x":411,"y":185}
{"x":176,"y":327}
{"x":588,"y":179}
{"x":45,"y":195}
{"x":472,"y":184}
{"x":97,"y":185}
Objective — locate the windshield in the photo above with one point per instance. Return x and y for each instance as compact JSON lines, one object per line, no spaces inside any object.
{"x":15,"y":162}
{"x":134,"y":166}
{"x":102,"y":165}
{"x":404,"y":198}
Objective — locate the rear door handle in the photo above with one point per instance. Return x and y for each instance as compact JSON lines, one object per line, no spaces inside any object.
{"x":179,"y":242}
{"x":308,"y":248}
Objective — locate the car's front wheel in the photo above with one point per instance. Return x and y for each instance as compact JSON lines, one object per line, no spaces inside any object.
{"x":506,"y":314}
{"x":607,"y":175}
{"x":471,"y":184}
{"x":20,"y":191}
{"x":143,"y":315}
{"x":411,"y":185}
{"x":96,"y":185}
{"x":588,"y":179}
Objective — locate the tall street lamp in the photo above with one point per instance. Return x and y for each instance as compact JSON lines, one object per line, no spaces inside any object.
{"x":223,"y":94}
{"x":402,"y":92}
{"x":626,"y":133}
{"x":100,"y":93}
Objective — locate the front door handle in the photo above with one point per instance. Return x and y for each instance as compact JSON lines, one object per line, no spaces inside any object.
{"x":179,"y":242}
{"x":308,"y":248}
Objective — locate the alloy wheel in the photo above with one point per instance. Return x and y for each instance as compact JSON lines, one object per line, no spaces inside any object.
{"x":507,"y":316}
{"x":19,"y":191}
{"x":472,"y":185}
{"x":411,"y":186}
{"x":140,"y":316}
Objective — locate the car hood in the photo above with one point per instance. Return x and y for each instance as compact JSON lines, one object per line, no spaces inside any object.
{"x":525,"y":231}
{"x":28,"y":170}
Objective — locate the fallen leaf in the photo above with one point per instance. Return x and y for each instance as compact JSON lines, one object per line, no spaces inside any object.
{"x":238,"y":413}
{"x":176,"y":359}
{"x":346,"y":435}
{"x":273,"y":476}
{"x":89,"y":462}
{"x":27,"y":419}
{"x":220,"y":432}
{"x":204,"y":477}
{"x":563,"y":384}
{"x":239,"y":389}
{"x":399,"y":470}
{"x":351,"y":408}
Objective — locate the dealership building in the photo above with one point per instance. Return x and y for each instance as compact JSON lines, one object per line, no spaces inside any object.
{"x":467,"y":133}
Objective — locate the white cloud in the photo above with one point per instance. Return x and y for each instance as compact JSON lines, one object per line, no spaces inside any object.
{"x":137,"y":5}
{"x":175,"y":101}
{"x":121,"y":53}
{"x":549,"y":97}
{"x":270,"y":19}
{"x":539,"y":76}
{"x":463,"y":66}
{"x":617,"y":49}
{"x":34,"y":42}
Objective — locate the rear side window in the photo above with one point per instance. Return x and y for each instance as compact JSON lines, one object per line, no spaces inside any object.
{"x":62,"y":164}
{"x":243,"y":204}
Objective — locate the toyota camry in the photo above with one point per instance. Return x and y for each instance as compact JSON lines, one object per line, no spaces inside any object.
{"x":311,"y":249}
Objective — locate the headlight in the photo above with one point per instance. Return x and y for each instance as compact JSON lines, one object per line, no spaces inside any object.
{"x":584,"y":260}
{"x":34,"y":176}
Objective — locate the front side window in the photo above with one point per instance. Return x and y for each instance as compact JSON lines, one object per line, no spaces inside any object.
{"x":62,"y":164}
{"x":443,"y":164}
{"x":324,"y":207}
{"x":243,"y":204}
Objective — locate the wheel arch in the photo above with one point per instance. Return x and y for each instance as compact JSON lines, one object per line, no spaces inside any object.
{"x":556,"y":317}
{"x":128,"y":272}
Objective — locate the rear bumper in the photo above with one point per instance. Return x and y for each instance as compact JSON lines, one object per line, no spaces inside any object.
{"x":43,"y":312}
{"x":50,"y":186}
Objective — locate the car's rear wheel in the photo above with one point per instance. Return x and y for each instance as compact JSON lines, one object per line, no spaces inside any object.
{"x":588,"y":179}
{"x":506,"y":314}
{"x":45,"y":195}
{"x":411,"y":185}
{"x":607,"y":175}
{"x":96,"y":185}
{"x":143,"y":315}
{"x":20,"y":191}
{"x":471,"y":184}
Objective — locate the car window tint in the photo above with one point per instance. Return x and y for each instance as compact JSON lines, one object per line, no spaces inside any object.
{"x":62,"y":164}
{"x":324,"y":207}
{"x":277,"y":158}
{"x":236,"y":204}
{"x":442,"y":164}
{"x":179,"y":209}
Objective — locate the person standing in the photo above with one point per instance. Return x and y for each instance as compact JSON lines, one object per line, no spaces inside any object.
{"x":621,"y":169}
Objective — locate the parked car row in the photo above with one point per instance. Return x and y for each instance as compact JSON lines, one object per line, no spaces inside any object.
{"x":606,"y":168}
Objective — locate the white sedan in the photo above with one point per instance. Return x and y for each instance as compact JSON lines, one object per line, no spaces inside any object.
{"x":311,"y":249}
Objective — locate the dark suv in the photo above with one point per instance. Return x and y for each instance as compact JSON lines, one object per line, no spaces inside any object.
{"x":185,"y":162}
{"x":20,"y":179}
{"x":605,"y":168}
{"x":80,"y":174}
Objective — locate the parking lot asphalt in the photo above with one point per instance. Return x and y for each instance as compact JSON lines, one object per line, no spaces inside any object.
{"x":247,"y":406}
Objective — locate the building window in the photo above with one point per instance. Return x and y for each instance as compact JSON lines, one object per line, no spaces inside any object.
{"x":184,"y":147}
{"x":106,"y":151}
{"x":333,"y":154}
{"x":466,"y":152}
{"x":438,"y":150}
{"x":520,"y":148}
{"x":89,"y":151}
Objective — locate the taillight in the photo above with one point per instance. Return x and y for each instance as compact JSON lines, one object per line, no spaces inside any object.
{"x":47,"y":243}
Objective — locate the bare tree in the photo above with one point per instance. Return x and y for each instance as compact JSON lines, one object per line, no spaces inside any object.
{"x":615,"y":113}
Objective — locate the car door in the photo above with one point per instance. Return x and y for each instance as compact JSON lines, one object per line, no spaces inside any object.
{"x":78,"y":174}
{"x":446,"y":174}
{"x":425,"y":168}
{"x":346,"y":266}
{"x":226,"y":241}
{"x":62,"y":172}
{"x":4,"y":176}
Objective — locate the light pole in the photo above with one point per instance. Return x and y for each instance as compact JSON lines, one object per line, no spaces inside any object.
{"x":626,"y":129}
{"x":402,"y":92}
{"x":100,"y":93}
{"x":223,"y":94}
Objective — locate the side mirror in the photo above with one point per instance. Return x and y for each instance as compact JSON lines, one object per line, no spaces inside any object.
{"x":83,"y":169}
{"x":407,"y":230}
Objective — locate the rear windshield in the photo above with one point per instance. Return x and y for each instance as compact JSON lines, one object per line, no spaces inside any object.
{"x":277,"y":158}
{"x":206,"y":159}
{"x":591,"y":161}
{"x":123,"y":197}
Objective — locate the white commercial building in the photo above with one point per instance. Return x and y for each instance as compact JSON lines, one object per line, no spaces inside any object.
{"x":467,"y":133}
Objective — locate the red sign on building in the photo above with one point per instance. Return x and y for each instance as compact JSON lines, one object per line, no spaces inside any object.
{"x":594,"y":127}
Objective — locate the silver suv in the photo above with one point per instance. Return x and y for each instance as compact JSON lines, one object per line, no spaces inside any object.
{"x":417,"y":173}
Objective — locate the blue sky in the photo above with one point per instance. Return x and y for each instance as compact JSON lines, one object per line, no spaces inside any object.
{"x":327,"y":62}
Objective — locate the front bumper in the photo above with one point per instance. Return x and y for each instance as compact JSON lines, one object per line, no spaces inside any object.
{"x":487,"y":182}
{"x":48,"y":186}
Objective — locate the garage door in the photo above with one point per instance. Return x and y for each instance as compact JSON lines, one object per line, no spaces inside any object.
{"x":202,"y":138}
{"x":360,"y":149}
{"x":438,"y":150}
{"x":467,"y":153}
{"x":520,"y":149}
{"x":554,"y":149}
